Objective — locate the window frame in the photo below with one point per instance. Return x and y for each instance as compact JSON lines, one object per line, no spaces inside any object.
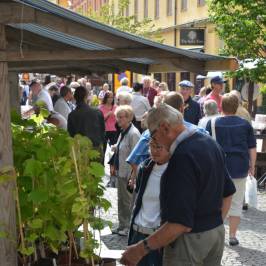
{"x":184,"y":5}
{"x":156,"y":9}
{"x":136,"y":9}
{"x":201,"y":2}
{"x":169,"y":8}
{"x":146,"y":10}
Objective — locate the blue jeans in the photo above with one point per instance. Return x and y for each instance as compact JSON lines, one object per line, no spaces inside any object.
{"x":154,"y":258}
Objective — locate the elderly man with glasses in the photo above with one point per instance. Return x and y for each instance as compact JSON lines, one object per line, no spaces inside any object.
{"x":195,"y":195}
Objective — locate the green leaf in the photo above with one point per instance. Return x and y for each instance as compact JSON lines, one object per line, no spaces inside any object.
{"x":93,"y":154}
{"x":32,"y":237}
{"x":96,"y":169}
{"x":54,"y":234}
{"x":45,"y":153}
{"x":33,"y":168}
{"x":105,"y":204}
{"x":38,"y":196}
{"x":36,"y":224}
{"x":26,"y":251}
{"x":54,"y":248}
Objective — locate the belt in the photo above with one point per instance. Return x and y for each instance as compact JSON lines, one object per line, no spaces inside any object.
{"x":143,"y":230}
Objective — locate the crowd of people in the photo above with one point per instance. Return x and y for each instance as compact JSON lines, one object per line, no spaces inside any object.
{"x":179,"y":162}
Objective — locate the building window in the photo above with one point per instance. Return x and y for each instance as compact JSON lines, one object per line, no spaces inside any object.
{"x":183,"y":5}
{"x":169,"y":8}
{"x":185,"y":76}
{"x":157,"y":9}
{"x":201,"y":2}
{"x":171,"y":81}
{"x":136,"y":9}
{"x":145,"y":8}
{"x":127,"y":11}
{"x":158,"y":76}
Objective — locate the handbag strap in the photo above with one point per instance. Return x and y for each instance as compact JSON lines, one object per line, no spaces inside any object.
{"x":213,"y":120}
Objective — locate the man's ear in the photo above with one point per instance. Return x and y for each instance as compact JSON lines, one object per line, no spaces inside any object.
{"x":165,"y":127}
{"x":182,"y":107}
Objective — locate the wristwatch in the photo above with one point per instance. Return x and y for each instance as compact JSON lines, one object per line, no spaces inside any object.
{"x":146,"y":245}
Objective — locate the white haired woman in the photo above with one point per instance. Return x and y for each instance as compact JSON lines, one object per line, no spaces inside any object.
{"x":124,"y":98}
{"x":105,"y":89}
{"x":127,"y":140}
{"x":210,"y":110}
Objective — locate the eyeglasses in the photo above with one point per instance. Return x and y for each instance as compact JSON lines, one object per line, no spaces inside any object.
{"x":156,"y":147}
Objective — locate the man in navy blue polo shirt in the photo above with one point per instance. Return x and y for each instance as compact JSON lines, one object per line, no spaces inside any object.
{"x":192,"y":112}
{"x":195,"y":195}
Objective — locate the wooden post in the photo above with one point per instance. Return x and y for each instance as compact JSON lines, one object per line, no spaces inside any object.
{"x":14,"y":90}
{"x":250,"y":96}
{"x":8,"y":254}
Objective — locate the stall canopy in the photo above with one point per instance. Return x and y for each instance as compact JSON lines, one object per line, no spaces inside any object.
{"x":44,"y":37}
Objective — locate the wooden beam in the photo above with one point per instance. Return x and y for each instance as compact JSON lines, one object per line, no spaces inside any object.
{"x":163,"y":68}
{"x":79,"y":54}
{"x":222,"y":65}
{"x":8,"y":252}
{"x":16,"y":13}
{"x":177,"y":64}
{"x":99,"y":65}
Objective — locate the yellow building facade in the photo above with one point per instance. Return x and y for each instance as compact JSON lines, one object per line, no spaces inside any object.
{"x":183,"y":23}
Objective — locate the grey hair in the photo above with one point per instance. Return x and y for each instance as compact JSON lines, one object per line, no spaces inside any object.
{"x":124,"y":81}
{"x":163,"y":113}
{"x":146,"y":78}
{"x":124,"y":97}
{"x":210,"y":108}
{"x":127,"y":109}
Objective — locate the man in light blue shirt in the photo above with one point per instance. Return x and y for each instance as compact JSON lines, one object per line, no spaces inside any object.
{"x":141,"y":151}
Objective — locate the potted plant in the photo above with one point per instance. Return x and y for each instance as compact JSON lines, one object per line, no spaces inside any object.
{"x":58,"y":189}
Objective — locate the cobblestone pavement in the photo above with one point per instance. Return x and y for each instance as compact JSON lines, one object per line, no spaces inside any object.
{"x":251,"y":234}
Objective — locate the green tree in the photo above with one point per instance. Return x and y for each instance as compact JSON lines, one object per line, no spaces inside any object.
{"x":241,"y":24}
{"x":107,"y":15}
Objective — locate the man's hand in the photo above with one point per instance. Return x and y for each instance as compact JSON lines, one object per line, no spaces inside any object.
{"x":112,"y":170}
{"x":133,"y":254}
{"x":251,"y":170}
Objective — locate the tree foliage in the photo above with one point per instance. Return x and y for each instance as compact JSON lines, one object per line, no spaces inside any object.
{"x":118,"y":19}
{"x":241,"y":24}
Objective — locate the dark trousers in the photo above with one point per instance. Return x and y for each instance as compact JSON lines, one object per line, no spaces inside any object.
{"x":154,"y":258}
{"x":111,"y":138}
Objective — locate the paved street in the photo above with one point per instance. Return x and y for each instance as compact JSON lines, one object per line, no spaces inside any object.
{"x":252,"y":234}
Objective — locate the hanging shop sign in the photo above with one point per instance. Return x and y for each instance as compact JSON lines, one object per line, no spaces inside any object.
{"x":191,"y":36}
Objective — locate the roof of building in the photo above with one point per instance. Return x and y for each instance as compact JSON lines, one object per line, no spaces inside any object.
{"x":45,"y":31}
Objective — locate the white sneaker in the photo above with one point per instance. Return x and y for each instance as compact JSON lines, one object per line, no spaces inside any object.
{"x":123,"y":232}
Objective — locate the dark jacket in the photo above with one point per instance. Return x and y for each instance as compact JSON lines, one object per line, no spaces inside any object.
{"x":142,"y":180}
{"x":87,"y":121}
{"x":192,"y":112}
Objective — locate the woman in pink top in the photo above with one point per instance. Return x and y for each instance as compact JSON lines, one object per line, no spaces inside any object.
{"x":108,"y":108}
